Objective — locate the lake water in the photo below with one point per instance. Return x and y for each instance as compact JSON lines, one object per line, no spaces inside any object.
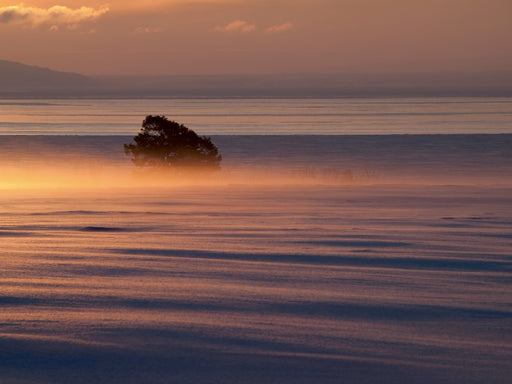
{"x":262,"y":116}
{"x":360,"y":254}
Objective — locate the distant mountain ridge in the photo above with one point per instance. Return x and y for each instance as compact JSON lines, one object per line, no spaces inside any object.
{"x":18,"y":79}
{"x":25,"y":81}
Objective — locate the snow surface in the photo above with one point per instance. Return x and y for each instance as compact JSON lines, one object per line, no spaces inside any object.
{"x":331,"y":281}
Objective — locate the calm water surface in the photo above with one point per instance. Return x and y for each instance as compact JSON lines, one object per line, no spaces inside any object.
{"x":257,"y":116}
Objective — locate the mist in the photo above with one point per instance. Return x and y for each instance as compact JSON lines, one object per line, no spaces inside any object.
{"x":91,"y":162}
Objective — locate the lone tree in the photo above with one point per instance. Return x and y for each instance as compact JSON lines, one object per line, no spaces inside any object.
{"x":165,"y":143}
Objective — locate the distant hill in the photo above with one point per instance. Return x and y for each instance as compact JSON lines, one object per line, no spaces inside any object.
{"x":25,"y":81}
{"x":22,"y":80}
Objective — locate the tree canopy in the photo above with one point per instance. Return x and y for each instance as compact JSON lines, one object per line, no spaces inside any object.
{"x":165,"y":143}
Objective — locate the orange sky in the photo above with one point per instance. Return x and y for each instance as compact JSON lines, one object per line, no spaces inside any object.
{"x":258,"y":36}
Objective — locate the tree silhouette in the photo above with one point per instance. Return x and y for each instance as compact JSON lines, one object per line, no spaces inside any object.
{"x":165,"y":143}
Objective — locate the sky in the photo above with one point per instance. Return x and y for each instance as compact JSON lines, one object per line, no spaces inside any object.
{"x":168,"y":37}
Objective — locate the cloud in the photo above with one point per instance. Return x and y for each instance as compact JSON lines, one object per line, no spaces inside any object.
{"x":244,"y":26}
{"x":147,"y":30}
{"x":280,"y":27}
{"x":237,"y":26}
{"x":58,"y":14}
{"x":144,"y":5}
